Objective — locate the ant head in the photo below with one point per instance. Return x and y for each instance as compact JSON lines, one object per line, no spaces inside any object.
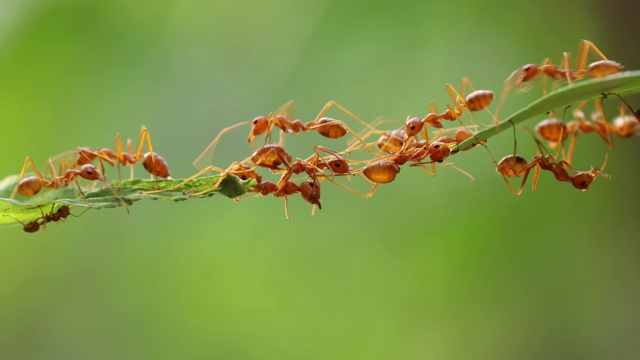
{"x":63,"y":211}
{"x":438,"y":151}
{"x":258,"y":126}
{"x":339,"y":165}
{"x":582,"y":180}
{"x":247,"y":173}
{"x":310,"y":191}
{"x":413,"y":126}
{"x":528,"y":72}
{"x":90,"y":172}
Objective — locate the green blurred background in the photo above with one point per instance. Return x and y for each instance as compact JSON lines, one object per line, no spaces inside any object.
{"x":429,"y":268}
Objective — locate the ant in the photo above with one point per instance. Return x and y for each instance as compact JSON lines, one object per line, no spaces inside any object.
{"x":309,"y":190}
{"x":384,"y":169}
{"x":269,"y":156}
{"x":514,"y":165}
{"x":325,"y":126}
{"x":152,"y":162}
{"x":31,"y":185}
{"x":625,"y":125}
{"x":59,"y":215}
{"x":556,"y":131}
{"x":477,"y":100}
{"x":524,"y":77}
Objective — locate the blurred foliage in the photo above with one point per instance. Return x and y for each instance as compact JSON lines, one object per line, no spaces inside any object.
{"x":412,"y":273}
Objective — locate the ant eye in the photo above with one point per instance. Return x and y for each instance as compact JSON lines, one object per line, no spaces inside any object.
{"x":583,"y":183}
{"x":413,"y":127}
{"x":312,"y":184}
{"x":89,"y":172}
{"x":255,"y":121}
{"x":437,"y":146}
{"x":337,"y":164}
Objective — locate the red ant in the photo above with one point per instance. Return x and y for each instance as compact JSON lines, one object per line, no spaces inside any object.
{"x":327,"y":127}
{"x":59,"y":215}
{"x":624,"y":125}
{"x":523,"y":77}
{"x":31,"y":185}
{"x":556,"y":131}
{"x":152,"y":162}
{"x":477,"y":100}
{"x":516,"y":166}
{"x":269,"y":156}
{"x":309,"y":190}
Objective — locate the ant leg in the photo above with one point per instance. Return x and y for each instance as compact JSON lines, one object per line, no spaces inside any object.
{"x":204,"y":159}
{"x":286,"y":207}
{"x":603,"y":126}
{"x":510,"y":83}
{"x":459,"y":104}
{"x":288,"y":111}
{"x":106,"y":184}
{"x":584,"y":48}
{"x":331,"y":103}
{"x":189,"y":179}
{"x":130,"y":153}
{"x":119,"y":156}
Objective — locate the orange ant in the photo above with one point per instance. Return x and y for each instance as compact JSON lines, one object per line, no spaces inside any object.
{"x":524,"y":77}
{"x":269,"y":156}
{"x":59,"y":215}
{"x":556,"y":131}
{"x":31,"y":185}
{"x":514,"y":165}
{"x":309,"y":190}
{"x":477,"y":100}
{"x":327,"y":127}
{"x":152,"y":162}
{"x":385,"y":169}
{"x":625,"y":125}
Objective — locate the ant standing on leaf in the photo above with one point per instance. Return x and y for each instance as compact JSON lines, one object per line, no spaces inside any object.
{"x":155,"y":164}
{"x":31,"y":185}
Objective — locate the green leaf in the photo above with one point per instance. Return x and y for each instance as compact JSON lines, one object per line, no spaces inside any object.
{"x":26,"y":210}
{"x":625,"y":82}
